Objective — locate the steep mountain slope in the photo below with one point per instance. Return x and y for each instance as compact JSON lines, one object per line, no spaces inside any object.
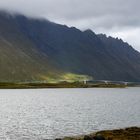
{"x":33,"y":49}
{"x":19,"y":59}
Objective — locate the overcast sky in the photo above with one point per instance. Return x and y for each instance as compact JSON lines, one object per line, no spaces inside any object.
{"x":118,"y":18}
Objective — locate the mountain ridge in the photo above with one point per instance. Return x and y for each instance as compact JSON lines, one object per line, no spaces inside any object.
{"x":43,"y":50}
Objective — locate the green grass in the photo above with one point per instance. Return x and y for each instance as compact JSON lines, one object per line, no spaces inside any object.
{"x":58,"y":85}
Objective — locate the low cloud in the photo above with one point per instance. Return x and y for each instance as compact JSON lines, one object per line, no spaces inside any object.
{"x":113,"y":17}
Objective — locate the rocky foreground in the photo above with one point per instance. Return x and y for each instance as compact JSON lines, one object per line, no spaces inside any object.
{"x":132,"y":133}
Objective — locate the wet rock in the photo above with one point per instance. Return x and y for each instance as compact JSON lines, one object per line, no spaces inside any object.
{"x":87,"y":138}
{"x":98,"y":137}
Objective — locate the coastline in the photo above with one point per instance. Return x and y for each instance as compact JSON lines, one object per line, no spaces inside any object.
{"x":59,"y":85}
{"x":131,"y":133}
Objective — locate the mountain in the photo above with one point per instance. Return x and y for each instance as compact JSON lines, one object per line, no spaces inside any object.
{"x":37,"y":50}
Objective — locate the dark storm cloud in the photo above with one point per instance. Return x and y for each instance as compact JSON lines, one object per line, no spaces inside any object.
{"x":109,"y":16}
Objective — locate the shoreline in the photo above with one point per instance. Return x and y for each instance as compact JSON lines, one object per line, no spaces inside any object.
{"x":66,"y":84}
{"x":130,"y":133}
{"x":58,"y":85}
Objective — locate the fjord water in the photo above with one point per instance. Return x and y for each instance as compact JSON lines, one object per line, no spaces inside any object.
{"x":38,"y":114}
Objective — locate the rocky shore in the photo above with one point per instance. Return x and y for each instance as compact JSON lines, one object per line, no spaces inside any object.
{"x":132,"y":133}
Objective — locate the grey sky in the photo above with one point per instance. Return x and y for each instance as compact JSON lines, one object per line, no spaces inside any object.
{"x":119,"y":18}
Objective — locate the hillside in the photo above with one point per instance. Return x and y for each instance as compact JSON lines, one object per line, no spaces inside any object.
{"x":37,"y":50}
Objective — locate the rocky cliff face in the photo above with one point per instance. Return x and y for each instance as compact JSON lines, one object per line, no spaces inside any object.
{"x":35,"y":49}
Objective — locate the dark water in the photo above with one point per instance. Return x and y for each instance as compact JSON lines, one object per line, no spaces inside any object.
{"x":49,"y":113}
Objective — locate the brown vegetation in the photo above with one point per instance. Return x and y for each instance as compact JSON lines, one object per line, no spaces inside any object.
{"x":132,"y":133}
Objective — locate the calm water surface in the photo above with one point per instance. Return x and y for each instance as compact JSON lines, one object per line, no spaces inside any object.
{"x":39,"y":114}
